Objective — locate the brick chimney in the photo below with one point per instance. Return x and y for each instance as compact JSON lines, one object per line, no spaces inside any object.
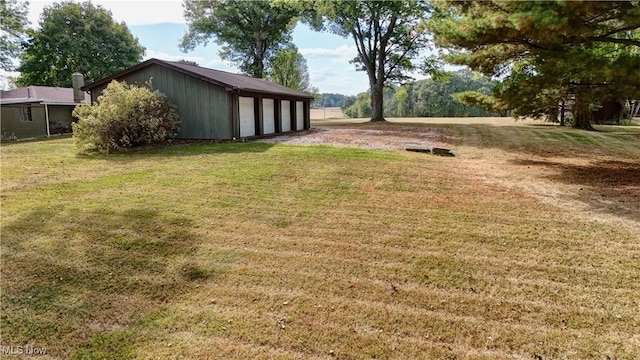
{"x":77,"y":80}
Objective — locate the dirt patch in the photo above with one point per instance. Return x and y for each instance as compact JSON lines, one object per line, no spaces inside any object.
{"x":384,"y":136}
{"x":596,"y":186}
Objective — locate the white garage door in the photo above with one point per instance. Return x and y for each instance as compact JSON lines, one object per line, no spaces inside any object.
{"x":247,"y":117}
{"x":299,"y":115}
{"x":286,"y":115}
{"x":268,"y":117}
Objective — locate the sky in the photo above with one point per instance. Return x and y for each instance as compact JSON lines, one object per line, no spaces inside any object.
{"x":159,"y":26}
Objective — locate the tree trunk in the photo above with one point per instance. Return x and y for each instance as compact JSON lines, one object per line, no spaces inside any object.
{"x":377,"y":114}
{"x":581,"y":118}
{"x":553,"y":114}
{"x":258,"y":59}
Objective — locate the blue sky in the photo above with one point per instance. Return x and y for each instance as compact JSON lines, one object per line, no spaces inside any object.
{"x":327,"y":55}
{"x":159,"y":26}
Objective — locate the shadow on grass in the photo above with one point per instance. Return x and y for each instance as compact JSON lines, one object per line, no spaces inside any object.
{"x":548,"y":141}
{"x":35,"y":140}
{"x":607,"y":186}
{"x":182,"y":149}
{"x":73,"y":284}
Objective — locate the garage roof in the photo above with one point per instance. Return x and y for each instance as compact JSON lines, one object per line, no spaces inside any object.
{"x":224,"y":79}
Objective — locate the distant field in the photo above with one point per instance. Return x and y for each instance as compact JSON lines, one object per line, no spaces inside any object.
{"x":327,"y":113}
{"x":525,"y":245}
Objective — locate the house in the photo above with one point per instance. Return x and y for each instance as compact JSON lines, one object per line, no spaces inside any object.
{"x":38,"y":111}
{"x":215,"y":104}
{"x":611,"y":112}
{"x":608,"y":111}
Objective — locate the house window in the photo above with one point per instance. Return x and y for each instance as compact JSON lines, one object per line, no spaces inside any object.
{"x":25,"y":114}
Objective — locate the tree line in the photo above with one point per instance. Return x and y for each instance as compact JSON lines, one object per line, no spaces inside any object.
{"x":538,"y":53}
{"x":428,"y":98}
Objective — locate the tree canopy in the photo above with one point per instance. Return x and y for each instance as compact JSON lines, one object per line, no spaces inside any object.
{"x":546,"y":51}
{"x":429,"y":98}
{"x":289,"y":68}
{"x":250,"y":32}
{"x":333,"y":100}
{"x":13,"y":23}
{"x":386,"y":34}
{"x":76,"y":37}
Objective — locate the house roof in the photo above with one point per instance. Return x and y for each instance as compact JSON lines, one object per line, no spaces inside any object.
{"x":38,"y":94}
{"x":224,"y":79}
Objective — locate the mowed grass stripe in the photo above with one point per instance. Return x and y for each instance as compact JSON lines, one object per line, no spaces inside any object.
{"x":132,"y":252}
{"x":362,"y":322}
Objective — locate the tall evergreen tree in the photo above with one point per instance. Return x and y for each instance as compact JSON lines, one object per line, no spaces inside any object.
{"x":546,"y":51}
{"x":76,"y":37}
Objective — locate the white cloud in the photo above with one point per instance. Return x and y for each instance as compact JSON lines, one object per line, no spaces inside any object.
{"x":332,"y":80}
{"x":136,"y":12}
{"x":4,"y":78}
{"x":329,"y":66}
{"x":341,"y":54}
{"x":221,"y":65}
{"x":216,"y":64}
{"x":171,"y":57}
{"x":330,"y":70}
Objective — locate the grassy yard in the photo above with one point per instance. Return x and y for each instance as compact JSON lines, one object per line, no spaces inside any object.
{"x":526,"y":245}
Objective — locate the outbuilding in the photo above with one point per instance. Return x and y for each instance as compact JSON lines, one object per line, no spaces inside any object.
{"x":37,"y":111}
{"x":215,"y":104}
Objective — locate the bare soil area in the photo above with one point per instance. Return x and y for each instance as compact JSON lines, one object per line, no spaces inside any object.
{"x":383,"y":136}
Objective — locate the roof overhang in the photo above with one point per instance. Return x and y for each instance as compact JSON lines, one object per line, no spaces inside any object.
{"x":169,"y":65}
{"x":20,"y":101}
{"x":272,"y":94}
{"x":147,"y":63}
{"x":35,"y":101}
{"x":63,"y":103}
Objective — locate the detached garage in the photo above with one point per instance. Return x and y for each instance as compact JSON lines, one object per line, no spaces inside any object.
{"x":218,"y":105}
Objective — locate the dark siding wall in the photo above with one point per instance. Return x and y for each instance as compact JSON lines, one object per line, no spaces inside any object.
{"x":202,"y":106}
{"x":60,"y":114}
{"x":13,"y":127}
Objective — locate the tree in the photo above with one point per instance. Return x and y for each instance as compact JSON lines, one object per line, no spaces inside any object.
{"x":187,"y":62}
{"x":250,"y":32}
{"x":361,"y":108}
{"x":333,"y":100}
{"x":435,"y":98}
{"x":76,"y":37}
{"x":13,"y":23}
{"x":546,"y":51}
{"x":387,"y":37}
{"x":289,"y":68}
{"x":401,"y":98}
{"x":476,"y":98}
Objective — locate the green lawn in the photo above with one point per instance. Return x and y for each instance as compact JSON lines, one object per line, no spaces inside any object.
{"x":253,"y":250}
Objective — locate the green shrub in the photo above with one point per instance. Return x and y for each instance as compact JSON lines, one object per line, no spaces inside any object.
{"x":125,"y":116}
